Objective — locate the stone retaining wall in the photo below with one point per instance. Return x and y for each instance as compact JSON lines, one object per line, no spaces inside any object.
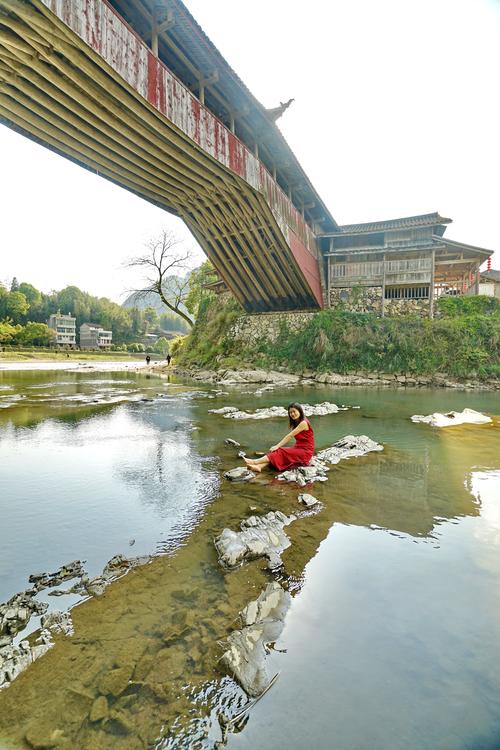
{"x":398,"y":307}
{"x":363,"y":299}
{"x":252,"y":328}
{"x":368,"y":299}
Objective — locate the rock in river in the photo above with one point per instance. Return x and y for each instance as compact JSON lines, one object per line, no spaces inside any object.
{"x":262,"y":621}
{"x":231,"y":412}
{"x":240,"y":474}
{"x":467,"y":416}
{"x":350,"y":446}
{"x":307,"y":500}
{"x":260,"y":536}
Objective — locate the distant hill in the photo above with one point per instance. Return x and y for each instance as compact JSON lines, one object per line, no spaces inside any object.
{"x":150,"y":299}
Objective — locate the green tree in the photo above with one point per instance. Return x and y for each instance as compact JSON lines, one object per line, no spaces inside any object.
{"x":151,"y":317}
{"x":172,"y":322}
{"x":32,"y":294}
{"x":161,"y":345}
{"x":137,"y":322}
{"x":202,"y":275}
{"x":14,"y":287}
{"x":3,"y":301}
{"x":35,"y":334}
{"x":69,"y":298}
{"x":8,"y":332}
{"x":16,"y":306}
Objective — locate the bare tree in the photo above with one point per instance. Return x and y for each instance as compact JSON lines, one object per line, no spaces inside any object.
{"x":162,"y":259}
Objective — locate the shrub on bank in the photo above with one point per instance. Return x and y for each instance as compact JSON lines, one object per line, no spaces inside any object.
{"x":209,"y":344}
{"x":346,"y":342}
{"x":454,"y":307}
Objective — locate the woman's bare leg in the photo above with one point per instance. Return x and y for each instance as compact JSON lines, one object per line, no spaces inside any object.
{"x":262,"y":460}
{"x":259,"y":465}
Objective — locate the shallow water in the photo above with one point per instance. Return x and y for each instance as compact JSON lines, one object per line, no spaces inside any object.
{"x":392,"y":637}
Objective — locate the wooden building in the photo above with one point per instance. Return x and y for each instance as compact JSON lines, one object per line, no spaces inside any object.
{"x":489,"y":283}
{"x":400,"y":266}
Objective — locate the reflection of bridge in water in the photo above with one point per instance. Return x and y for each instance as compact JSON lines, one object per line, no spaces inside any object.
{"x":135,"y":91}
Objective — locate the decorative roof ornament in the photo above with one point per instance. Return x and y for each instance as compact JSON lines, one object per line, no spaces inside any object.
{"x":276,"y":112}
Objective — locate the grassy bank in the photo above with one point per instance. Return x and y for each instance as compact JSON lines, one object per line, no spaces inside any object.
{"x":463,"y":342}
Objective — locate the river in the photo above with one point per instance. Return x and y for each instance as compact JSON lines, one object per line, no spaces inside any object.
{"x":392,"y":637}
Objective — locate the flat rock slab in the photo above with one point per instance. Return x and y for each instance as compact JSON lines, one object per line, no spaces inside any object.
{"x":350,"y":446}
{"x":452,"y":418}
{"x":262,"y":621}
{"x":315,"y":410}
{"x":302,"y":475}
{"x":240,"y":474}
{"x":308,"y":500}
{"x":260,"y":536}
{"x":15,"y":659}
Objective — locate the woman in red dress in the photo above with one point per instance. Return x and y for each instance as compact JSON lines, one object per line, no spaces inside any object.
{"x":288,"y":458}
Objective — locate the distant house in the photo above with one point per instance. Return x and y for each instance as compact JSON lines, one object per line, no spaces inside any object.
{"x":64,"y":327}
{"x":489,"y":283}
{"x":92,"y":336}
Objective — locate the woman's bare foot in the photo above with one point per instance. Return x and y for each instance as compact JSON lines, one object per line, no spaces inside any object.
{"x":248,"y":461}
{"x":256,"y":467}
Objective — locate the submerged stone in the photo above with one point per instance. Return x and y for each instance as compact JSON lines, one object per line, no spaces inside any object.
{"x":40,"y":738}
{"x":114,"y":682}
{"x":99,"y":709}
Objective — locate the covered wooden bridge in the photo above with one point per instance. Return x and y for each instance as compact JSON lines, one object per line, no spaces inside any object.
{"x":135,"y":91}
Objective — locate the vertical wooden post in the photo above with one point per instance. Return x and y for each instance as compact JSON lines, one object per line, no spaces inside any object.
{"x":382,"y":304}
{"x":256,"y":149}
{"x":476,"y":283}
{"x":201,"y":94}
{"x":431,"y":286}
{"x":231,"y":122}
{"x":329,"y":298}
{"x":154,"y":37}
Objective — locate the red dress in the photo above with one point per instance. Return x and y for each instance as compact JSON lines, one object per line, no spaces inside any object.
{"x":299,"y":455}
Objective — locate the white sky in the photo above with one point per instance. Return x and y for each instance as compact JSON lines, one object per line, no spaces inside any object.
{"x":396,"y":112}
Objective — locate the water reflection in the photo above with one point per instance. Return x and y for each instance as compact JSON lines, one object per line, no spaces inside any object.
{"x":394,"y":581}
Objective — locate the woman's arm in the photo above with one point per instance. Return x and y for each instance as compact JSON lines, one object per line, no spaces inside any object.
{"x":300,"y":428}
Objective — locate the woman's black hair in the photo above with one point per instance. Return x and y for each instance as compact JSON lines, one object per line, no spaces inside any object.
{"x":295,"y":422}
